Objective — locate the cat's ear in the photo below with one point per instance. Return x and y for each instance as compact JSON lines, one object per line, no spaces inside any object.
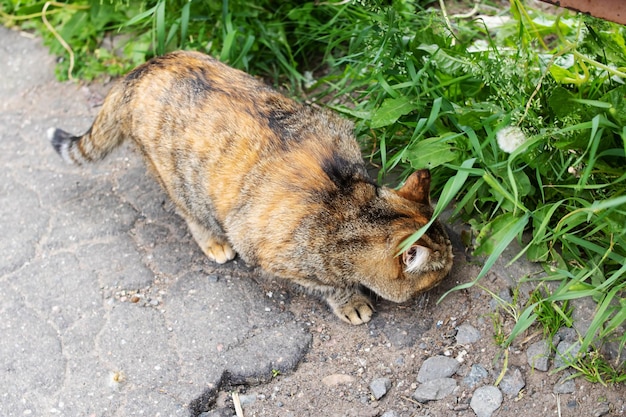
{"x":415,"y":258}
{"x":417,"y":187}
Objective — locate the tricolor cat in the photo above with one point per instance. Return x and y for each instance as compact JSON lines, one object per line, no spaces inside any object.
{"x":280,"y":183}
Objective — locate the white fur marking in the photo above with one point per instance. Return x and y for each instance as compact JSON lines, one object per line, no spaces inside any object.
{"x":415,"y":258}
{"x":50,"y":133}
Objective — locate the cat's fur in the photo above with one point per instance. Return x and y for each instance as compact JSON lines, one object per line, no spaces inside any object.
{"x":280,"y":183}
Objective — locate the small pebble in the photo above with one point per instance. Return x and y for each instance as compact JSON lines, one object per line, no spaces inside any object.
{"x":538,"y":355}
{"x":379,"y":387}
{"x":566,"y":333}
{"x":565,"y":352}
{"x":565,"y":385}
{"x":247,"y":399}
{"x":602,"y":410}
{"x":437,"y":367}
{"x":512,"y":382}
{"x":435,"y":389}
{"x":467,"y":334}
{"x":389,"y":413}
{"x":506,"y":297}
{"x":486,"y":400}
{"x":476,"y":375}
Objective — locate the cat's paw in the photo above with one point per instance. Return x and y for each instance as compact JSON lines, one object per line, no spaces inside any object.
{"x":357,"y":310}
{"x":220,"y":252}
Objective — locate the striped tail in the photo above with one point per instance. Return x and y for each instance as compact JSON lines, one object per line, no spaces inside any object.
{"x":68,"y":146}
{"x":106,"y":133}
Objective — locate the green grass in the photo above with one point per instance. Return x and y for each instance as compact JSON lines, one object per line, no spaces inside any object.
{"x":522,"y":127}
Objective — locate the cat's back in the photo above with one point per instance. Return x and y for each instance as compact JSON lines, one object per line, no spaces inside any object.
{"x":208,"y":128}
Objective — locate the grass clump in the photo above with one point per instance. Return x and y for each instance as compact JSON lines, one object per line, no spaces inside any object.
{"x":522,"y":121}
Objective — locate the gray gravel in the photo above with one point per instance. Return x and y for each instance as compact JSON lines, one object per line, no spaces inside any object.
{"x":435,"y":389}
{"x":486,"y":400}
{"x":467,"y":334}
{"x":437,"y":367}
{"x":538,"y":355}
{"x":475,"y":376}
{"x":512,"y":382}
{"x":379,"y":387}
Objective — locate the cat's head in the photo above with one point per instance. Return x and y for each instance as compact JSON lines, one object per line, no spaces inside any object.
{"x":399,"y":276}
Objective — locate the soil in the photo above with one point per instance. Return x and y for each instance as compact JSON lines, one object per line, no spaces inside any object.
{"x":334,"y":377}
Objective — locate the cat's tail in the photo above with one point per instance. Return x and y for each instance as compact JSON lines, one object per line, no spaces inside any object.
{"x":103,"y":136}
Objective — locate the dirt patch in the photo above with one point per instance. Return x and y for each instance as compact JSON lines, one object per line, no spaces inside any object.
{"x":335,"y":376}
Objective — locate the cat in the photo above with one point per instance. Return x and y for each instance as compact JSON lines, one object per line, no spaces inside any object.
{"x":278,"y":182}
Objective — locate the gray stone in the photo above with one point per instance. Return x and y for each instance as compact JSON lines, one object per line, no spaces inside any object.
{"x":389,"y":413}
{"x":513,"y":273}
{"x":602,"y":409}
{"x":247,"y":399}
{"x":379,"y":387}
{"x":567,"y":334}
{"x":565,"y":385}
{"x":566,"y":352}
{"x":505,"y":297}
{"x":467,"y":334}
{"x":583,"y":310}
{"x":512,"y":382}
{"x":476,"y":374}
{"x":437,"y":367}
{"x":486,"y":400}
{"x":538,"y":355}
{"x":434,"y":389}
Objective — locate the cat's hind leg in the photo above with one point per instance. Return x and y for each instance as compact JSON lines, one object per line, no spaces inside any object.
{"x":215,"y":248}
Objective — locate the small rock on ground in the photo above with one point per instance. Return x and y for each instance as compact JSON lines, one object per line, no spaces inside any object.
{"x":538,"y":355}
{"x":247,"y":399}
{"x":467,"y":334}
{"x":512,"y":382}
{"x":602,"y":410}
{"x":565,"y":333}
{"x":486,"y":400}
{"x":565,"y":352}
{"x":379,"y":387}
{"x":389,"y":413}
{"x":565,"y":385}
{"x":437,"y":367}
{"x":435,"y":389}
{"x":476,"y":374}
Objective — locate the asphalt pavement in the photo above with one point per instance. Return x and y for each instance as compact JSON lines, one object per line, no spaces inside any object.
{"x":107,"y":306}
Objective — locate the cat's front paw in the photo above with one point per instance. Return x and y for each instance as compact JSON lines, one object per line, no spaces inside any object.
{"x":357,"y":310}
{"x":219,"y":252}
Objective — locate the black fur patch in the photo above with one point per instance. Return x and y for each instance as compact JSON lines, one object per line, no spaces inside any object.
{"x":199,"y":82}
{"x":278,"y":120}
{"x":140,"y":70}
{"x":343,"y":173}
{"x":380,"y":215}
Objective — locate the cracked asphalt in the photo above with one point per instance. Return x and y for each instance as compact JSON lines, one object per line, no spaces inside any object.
{"x":107,"y":306}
